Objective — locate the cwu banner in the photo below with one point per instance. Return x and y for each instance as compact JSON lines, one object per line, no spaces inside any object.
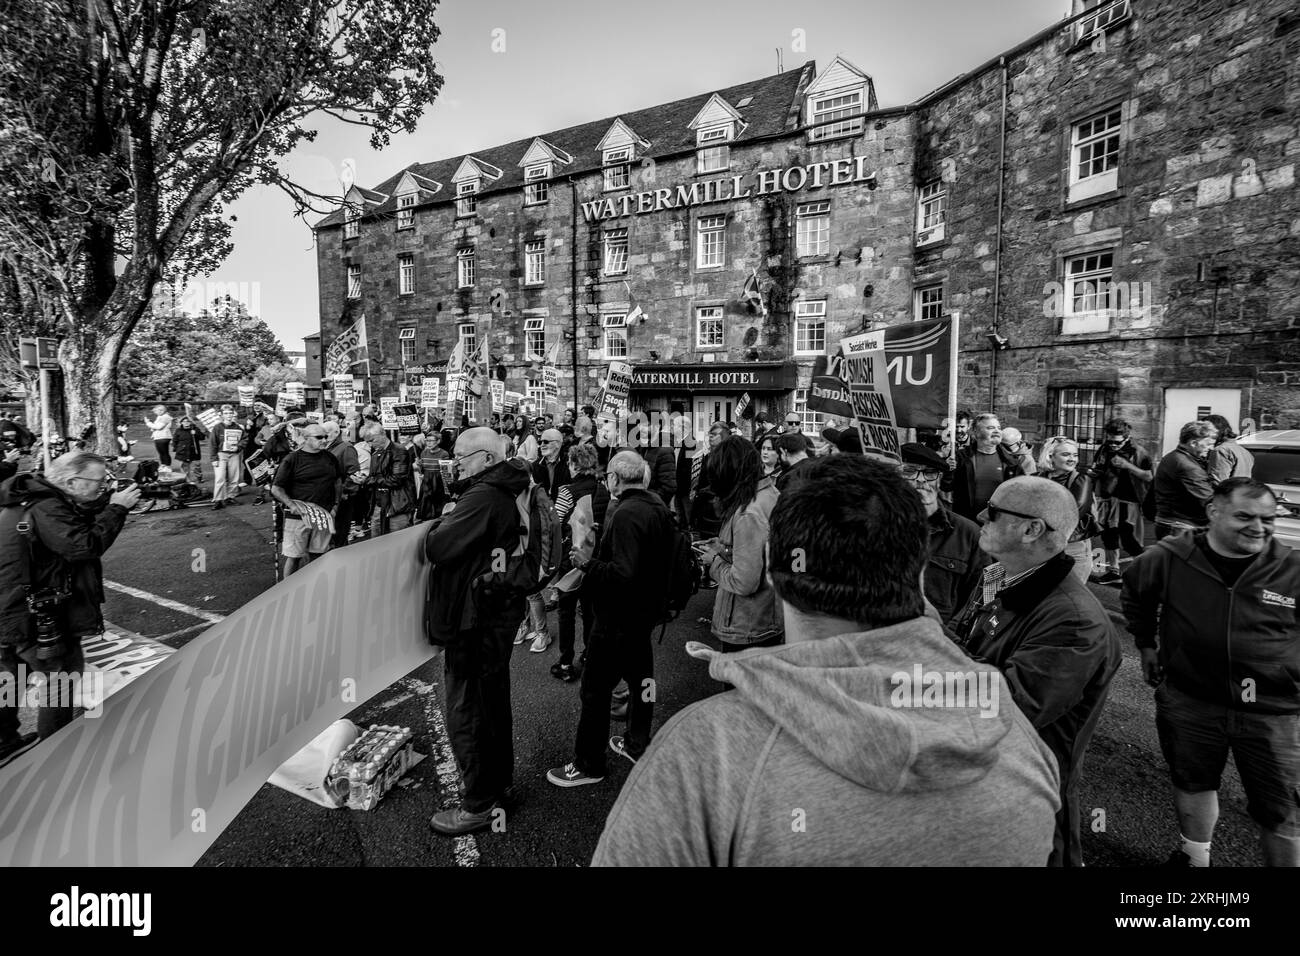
{"x":920,"y":367}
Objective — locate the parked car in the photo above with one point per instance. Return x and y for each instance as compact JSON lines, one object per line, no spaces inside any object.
{"x":1277,"y":464}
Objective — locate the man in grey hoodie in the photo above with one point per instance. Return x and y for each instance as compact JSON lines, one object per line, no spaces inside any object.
{"x":867,"y":739}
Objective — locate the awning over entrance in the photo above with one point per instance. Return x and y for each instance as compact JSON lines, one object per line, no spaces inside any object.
{"x":737,"y":377}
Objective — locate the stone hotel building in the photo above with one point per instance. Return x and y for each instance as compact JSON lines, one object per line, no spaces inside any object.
{"x":1110,"y":206}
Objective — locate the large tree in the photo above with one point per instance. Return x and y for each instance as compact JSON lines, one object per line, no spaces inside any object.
{"x":127,"y":126}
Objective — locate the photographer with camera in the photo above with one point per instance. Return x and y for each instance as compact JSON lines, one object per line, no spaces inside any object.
{"x":53,"y":531}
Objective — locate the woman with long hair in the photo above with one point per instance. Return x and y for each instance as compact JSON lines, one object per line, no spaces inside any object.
{"x":526,"y":446}
{"x":580,"y":508}
{"x":768,"y":455}
{"x":1059,"y":462}
{"x":746,"y":613}
{"x":1227,"y":459}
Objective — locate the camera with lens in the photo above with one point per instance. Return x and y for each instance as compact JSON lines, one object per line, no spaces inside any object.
{"x":42,"y":605}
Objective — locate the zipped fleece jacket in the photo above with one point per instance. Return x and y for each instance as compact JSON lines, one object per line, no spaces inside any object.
{"x":1211,"y":638}
{"x":813,"y":760}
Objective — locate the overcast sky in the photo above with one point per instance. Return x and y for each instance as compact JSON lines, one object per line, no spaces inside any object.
{"x":571,"y":61}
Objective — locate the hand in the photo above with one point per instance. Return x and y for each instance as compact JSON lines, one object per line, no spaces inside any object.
{"x":12,"y":455}
{"x":1151,"y":669}
{"x":126,"y":498}
{"x":449,"y":507}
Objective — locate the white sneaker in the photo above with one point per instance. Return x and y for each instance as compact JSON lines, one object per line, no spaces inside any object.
{"x":523,"y":634}
{"x":540,"y":643}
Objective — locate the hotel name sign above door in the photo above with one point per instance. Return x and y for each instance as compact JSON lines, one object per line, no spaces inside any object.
{"x":839,"y":172}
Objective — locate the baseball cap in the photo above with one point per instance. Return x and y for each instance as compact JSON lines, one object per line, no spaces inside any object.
{"x":846,"y":440}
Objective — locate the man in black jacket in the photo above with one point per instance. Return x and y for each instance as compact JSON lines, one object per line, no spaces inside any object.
{"x":550,"y":470}
{"x":628,"y":581}
{"x":392,"y":478}
{"x":1182,"y":484}
{"x":476,"y":627}
{"x":72,"y":518}
{"x":1214,"y":616}
{"x":1043,"y":629}
{"x":956,"y":562}
{"x":981,"y":467}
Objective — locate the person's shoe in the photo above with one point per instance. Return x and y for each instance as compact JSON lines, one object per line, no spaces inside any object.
{"x":570,"y":776}
{"x":459,"y":821}
{"x":218,"y":506}
{"x":1178,"y":860}
{"x":618,"y":744}
{"x":565,"y":672}
{"x":523,"y":634}
{"x":11,"y":747}
{"x":540,"y":643}
{"x":709,"y":585}
{"x":1112,"y":576}
{"x":618,"y":711}
{"x":259,"y":500}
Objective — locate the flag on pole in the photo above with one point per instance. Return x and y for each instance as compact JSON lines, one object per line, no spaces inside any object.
{"x":742,"y":405}
{"x":633,"y":309}
{"x":752,"y":295}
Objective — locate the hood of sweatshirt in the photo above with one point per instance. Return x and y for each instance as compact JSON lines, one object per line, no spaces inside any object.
{"x":858,"y":703}
{"x":511,"y":476}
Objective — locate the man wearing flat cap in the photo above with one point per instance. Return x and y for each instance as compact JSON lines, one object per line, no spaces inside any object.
{"x":1039,"y":625}
{"x":956,"y":563}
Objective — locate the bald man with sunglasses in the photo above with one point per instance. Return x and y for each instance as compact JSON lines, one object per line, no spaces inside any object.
{"x":1041,"y":627}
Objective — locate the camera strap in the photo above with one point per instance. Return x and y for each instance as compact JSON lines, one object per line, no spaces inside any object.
{"x":24,"y":529}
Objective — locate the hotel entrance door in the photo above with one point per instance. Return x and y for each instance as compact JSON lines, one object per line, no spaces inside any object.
{"x":713,"y":408}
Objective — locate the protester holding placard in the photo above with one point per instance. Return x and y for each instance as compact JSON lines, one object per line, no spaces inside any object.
{"x":227,"y":459}
{"x":308,"y":483}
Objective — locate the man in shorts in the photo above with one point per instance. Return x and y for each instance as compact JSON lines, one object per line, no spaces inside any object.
{"x":308,"y":484}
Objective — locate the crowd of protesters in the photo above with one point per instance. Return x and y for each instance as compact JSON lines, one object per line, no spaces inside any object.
{"x":833,"y":575}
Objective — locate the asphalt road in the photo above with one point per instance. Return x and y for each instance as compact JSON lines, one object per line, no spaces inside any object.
{"x":1130,"y":820}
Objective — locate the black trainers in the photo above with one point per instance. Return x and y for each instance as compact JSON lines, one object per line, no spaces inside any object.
{"x":570,"y":776}
{"x":565,"y":672}
{"x":618,"y":744}
{"x":218,"y":506}
{"x":1112,"y":577}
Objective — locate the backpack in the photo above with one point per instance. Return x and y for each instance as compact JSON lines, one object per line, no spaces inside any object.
{"x":684,"y":572}
{"x":537,"y":556}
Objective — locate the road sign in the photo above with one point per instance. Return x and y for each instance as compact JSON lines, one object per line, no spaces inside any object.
{"x":39,"y":353}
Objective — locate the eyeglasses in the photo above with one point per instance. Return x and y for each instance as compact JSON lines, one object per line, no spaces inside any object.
{"x":913,"y":472}
{"x":481,"y":451}
{"x":993,"y":511}
{"x":549,"y":441}
{"x":793,"y":421}
{"x":319,"y":437}
{"x":94,"y":481}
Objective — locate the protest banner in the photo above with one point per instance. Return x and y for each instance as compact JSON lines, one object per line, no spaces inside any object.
{"x":612,"y":402}
{"x":350,"y":348}
{"x":344,"y":394}
{"x":551,"y":385}
{"x":430,"y":388}
{"x":283,"y":402}
{"x":498,"y":395}
{"x":407,"y":417}
{"x":511,"y":403}
{"x":178,"y":752}
{"x":297,"y":392}
{"x":386,"y":417}
{"x":921,"y":371}
{"x":209,"y":418}
{"x":316,"y":417}
{"x":246,"y":394}
{"x":864,"y":369}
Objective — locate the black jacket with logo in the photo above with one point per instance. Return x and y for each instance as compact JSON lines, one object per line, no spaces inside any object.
{"x":1213,"y":639}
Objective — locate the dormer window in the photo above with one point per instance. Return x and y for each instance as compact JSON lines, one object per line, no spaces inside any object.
{"x":535,"y":185}
{"x":826,"y":110}
{"x":406,"y":211}
{"x":618,"y":168}
{"x":714,"y":155}
{"x":466,"y":200}
{"x":351,"y":223}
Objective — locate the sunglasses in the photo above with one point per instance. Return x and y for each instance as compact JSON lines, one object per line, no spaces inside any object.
{"x":993,"y":511}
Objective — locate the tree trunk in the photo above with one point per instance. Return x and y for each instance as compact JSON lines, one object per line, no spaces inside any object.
{"x":90,"y":378}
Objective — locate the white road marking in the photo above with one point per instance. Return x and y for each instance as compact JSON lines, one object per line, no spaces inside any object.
{"x":465,"y":847}
{"x":168,"y":603}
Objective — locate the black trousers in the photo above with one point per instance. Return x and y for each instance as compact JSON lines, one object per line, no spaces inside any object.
{"x":614,"y":655}
{"x":569,"y":604}
{"x":342,"y":524}
{"x":479,"y":717}
{"x":48,"y":719}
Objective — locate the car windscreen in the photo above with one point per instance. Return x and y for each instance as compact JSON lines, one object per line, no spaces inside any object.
{"x":1278,"y":466}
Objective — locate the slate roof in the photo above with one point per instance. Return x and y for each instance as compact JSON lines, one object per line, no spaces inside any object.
{"x":775,"y":108}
